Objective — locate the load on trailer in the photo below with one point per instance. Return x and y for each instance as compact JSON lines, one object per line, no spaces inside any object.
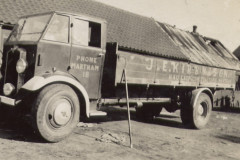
{"x":58,"y":67}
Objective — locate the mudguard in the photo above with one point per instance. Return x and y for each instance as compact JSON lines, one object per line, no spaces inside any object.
{"x":197,"y":92}
{"x":38,"y":82}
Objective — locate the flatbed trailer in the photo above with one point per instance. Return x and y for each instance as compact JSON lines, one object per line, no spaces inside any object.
{"x":156,"y":82}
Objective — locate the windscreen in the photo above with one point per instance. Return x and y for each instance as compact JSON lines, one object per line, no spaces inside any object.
{"x":30,"y":28}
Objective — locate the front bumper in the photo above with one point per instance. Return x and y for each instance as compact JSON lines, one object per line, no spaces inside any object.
{"x":8,"y":101}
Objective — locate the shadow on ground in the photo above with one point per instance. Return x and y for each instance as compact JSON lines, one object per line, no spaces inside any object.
{"x":227,"y":109}
{"x":14,"y":127}
{"x":120,"y":114}
{"x":230,"y":138}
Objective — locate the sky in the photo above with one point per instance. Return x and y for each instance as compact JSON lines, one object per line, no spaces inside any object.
{"x":218,"y":19}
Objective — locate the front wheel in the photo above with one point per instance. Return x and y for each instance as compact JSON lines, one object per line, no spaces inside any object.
{"x":55,"y":112}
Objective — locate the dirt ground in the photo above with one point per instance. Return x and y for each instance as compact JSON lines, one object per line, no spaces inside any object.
{"x":107,"y":138}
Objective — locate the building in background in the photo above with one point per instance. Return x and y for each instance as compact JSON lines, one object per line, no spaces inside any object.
{"x":133,"y":32}
{"x":237,"y":52}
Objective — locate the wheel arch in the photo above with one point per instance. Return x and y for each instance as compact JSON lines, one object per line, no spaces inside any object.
{"x":38,"y":82}
{"x":196,"y":93}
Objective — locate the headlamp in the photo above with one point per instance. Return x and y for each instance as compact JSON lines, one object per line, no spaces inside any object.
{"x":8,"y":89}
{"x":21,"y":65}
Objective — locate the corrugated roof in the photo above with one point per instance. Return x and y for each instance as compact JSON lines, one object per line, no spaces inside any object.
{"x":131,"y":31}
{"x":237,"y":52}
{"x":201,"y":50}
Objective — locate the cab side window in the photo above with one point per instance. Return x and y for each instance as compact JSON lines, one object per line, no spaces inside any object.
{"x":58,"y":29}
{"x":86,"y":33}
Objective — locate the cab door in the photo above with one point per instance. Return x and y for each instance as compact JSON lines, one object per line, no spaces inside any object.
{"x":87,"y":55}
{"x":54,"y":47}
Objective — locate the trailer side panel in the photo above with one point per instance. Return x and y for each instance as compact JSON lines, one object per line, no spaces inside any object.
{"x":144,"y":69}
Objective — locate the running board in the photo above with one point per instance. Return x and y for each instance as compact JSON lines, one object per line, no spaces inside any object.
{"x":97,"y":113}
{"x":135,"y":100}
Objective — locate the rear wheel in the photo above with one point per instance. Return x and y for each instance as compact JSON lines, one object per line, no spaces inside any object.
{"x":148,"y":111}
{"x":202,"y":111}
{"x":55,"y":112}
{"x":197,"y":116}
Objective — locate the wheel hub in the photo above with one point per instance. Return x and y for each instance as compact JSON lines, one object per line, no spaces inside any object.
{"x":200,"y":109}
{"x":62,"y":112}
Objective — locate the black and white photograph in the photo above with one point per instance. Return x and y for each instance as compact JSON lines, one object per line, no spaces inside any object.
{"x":119,"y":80}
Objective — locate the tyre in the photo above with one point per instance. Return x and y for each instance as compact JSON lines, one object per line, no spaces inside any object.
{"x":202,"y":111}
{"x":197,"y":116}
{"x":55,"y":112}
{"x":147,"y":112}
{"x":171,"y":107}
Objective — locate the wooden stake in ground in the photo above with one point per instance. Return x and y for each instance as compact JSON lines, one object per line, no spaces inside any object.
{"x":129,"y":118}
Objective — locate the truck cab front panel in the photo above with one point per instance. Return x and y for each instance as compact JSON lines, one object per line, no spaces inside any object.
{"x":11,"y":55}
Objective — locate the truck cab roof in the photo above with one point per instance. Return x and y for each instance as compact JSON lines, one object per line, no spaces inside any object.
{"x":80,"y":15}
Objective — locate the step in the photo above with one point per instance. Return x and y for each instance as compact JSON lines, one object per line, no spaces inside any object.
{"x":97,"y":113}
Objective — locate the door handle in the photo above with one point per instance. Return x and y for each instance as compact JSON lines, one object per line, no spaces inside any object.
{"x":100,"y":54}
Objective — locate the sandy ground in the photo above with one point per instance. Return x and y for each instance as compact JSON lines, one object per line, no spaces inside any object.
{"x":107,"y":138}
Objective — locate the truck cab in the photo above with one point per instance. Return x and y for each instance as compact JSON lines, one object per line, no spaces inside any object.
{"x":59,"y":56}
{"x":56,"y":41}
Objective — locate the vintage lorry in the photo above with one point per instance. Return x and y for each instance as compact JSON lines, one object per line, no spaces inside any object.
{"x":58,"y":67}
